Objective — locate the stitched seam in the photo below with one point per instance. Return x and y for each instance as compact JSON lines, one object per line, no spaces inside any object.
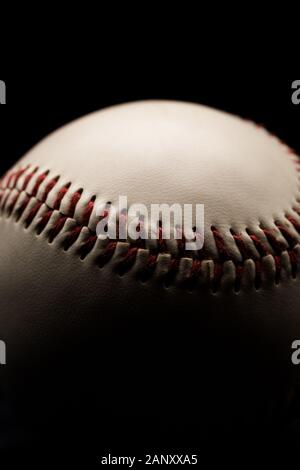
{"x":14,"y":186}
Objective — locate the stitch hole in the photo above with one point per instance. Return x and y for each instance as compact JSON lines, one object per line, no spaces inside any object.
{"x":294,"y":263}
{"x":191,"y":282}
{"x":257,"y":280}
{"x":144,"y":277}
{"x":128,"y":262}
{"x":214,"y":289}
{"x":218,"y":272}
{"x":33,"y":212}
{"x":71,"y":238}
{"x":167,"y":283}
{"x":87,"y":247}
{"x":170,"y":277}
{"x":54,"y":232}
{"x":20,"y":211}
{"x":106,"y":256}
{"x":238,"y":279}
{"x":12,"y":205}
{"x":149,"y":269}
{"x":44,"y":222}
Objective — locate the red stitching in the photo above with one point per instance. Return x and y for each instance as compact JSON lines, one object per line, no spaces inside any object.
{"x":274,"y":246}
{"x":32,"y":213}
{"x":106,"y":256}
{"x":12,"y":204}
{"x":128,"y":260}
{"x":291,"y":240}
{"x":28,"y":178}
{"x":259,"y":245}
{"x":220,"y":244}
{"x":52,"y":183}
{"x":5,"y":198}
{"x":44,"y":221}
{"x":88,"y":244}
{"x":74,"y":201}
{"x":57,"y":228}
{"x":88,"y":212}
{"x":294,"y":223}
{"x":38,"y":183}
{"x":60,"y":195}
{"x":16,"y":176}
{"x":22,"y":208}
{"x":151,"y":262}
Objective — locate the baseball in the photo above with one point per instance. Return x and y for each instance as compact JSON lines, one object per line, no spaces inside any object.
{"x":146,"y":329}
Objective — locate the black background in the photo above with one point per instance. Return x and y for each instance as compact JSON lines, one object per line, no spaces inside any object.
{"x":40,"y":102}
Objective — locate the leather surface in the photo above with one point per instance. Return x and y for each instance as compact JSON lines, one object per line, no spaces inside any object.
{"x":52,"y":303}
{"x":166,"y":151}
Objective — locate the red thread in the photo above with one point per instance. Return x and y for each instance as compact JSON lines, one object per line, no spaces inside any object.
{"x":241,"y":245}
{"x":5,"y":198}
{"x":220,"y":244}
{"x":151,"y":261}
{"x":38,"y":183}
{"x":28,"y":178}
{"x":60,"y":195}
{"x":32,"y":213}
{"x":277,"y":245}
{"x":74,"y":201}
{"x":44,"y":221}
{"x":10,"y":181}
{"x":72,"y":236}
{"x":57,"y":228}
{"x":88,"y":245}
{"x":49,"y":187}
{"x":128,"y":260}
{"x":261,"y":247}
{"x":88,"y":211}
{"x":20,"y":210}
{"x":294,"y":223}
{"x":291,"y":240}
{"x":108,"y":253}
{"x":196,"y":267}
{"x":16,"y":176}
{"x":12,"y":204}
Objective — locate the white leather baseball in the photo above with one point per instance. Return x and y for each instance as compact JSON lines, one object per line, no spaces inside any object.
{"x":57,"y":281}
